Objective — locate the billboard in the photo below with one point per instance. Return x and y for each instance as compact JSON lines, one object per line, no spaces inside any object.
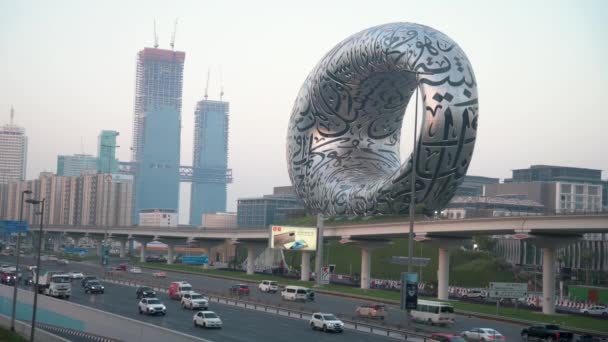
{"x":409,"y":290}
{"x":293,"y":238}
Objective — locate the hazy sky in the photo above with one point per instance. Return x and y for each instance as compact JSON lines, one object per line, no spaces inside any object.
{"x":68,"y":67}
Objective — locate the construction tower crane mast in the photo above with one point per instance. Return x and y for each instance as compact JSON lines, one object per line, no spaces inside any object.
{"x":155,"y":36}
{"x":173,"y":35}
{"x":207,"y":86}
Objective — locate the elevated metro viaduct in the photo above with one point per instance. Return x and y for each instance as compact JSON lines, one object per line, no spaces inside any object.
{"x":547,"y":232}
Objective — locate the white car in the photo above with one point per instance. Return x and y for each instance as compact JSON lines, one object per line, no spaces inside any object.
{"x":207,"y":319}
{"x":152,"y":306}
{"x":326,"y":322}
{"x":268,"y":286}
{"x":76,"y":275}
{"x":482,"y":334}
{"x":195,"y":300}
{"x":135,"y":270}
{"x":475,"y":293}
{"x":596,"y":310}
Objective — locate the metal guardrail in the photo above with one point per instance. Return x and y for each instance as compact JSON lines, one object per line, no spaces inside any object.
{"x":160,"y":286}
{"x":76,"y":333}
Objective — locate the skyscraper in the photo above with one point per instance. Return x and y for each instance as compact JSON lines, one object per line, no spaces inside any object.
{"x":156,"y":129}
{"x":72,"y":166}
{"x":13,"y":152}
{"x":106,"y":152}
{"x":210,"y":159}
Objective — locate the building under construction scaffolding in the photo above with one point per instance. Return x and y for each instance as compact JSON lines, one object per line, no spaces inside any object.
{"x":156,"y":129}
{"x":210,"y":159}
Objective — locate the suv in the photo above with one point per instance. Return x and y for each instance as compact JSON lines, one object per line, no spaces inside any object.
{"x":152,"y":306}
{"x":93,"y":286}
{"x":178,"y":288}
{"x":195,"y":300}
{"x":239,"y":290}
{"x":268,"y":286}
{"x":326,"y":321}
{"x":207,"y":319}
{"x":87,"y":279}
{"x":145,"y":292}
{"x":296,"y":293}
{"x":372,"y":310}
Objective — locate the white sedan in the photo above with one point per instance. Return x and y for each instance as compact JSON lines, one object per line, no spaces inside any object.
{"x":135,"y":270}
{"x":76,"y":275}
{"x":207,"y":319}
{"x":598,"y":310}
{"x":482,"y":334}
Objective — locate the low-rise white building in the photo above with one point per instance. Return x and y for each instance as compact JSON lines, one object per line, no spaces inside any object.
{"x":158,"y":218}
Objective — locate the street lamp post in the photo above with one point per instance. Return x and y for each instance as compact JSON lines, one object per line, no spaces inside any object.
{"x":14,"y":311}
{"x":37,"y":268}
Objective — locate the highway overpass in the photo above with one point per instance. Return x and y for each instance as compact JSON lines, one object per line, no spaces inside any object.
{"x":547,"y":232}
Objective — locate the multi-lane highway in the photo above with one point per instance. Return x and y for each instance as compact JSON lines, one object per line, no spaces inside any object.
{"x":342,"y":307}
{"x":239,"y":324}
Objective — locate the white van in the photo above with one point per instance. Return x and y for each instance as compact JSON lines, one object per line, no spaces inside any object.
{"x":295,"y":293}
{"x":433,"y":312}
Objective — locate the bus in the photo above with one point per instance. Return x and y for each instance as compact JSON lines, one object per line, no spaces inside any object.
{"x":433,"y":312}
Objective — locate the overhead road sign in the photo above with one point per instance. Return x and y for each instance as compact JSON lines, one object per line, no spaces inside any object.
{"x":403,"y":260}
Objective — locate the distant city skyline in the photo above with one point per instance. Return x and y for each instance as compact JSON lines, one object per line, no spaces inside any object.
{"x":70,"y":74}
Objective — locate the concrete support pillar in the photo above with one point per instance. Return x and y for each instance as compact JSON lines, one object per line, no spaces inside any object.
{"x":366,"y":267}
{"x":305,"y":275}
{"x":122,"y":248}
{"x":549,"y":280}
{"x":170,"y":250}
{"x":98,"y":246}
{"x":443,"y":274}
{"x":57,"y":244}
{"x":42,"y":243}
{"x":142,"y":252}
{"x":250,"y":259}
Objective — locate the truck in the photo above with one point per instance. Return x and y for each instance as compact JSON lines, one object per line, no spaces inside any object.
{"x":548,"y":332}
{"x":54,"y":283}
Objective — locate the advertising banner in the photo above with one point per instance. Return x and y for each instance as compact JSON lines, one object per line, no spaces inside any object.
{"x":293,"y":238}
{"x":409,"y":290}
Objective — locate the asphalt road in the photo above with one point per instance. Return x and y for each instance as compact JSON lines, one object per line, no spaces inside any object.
{"x":239,"y":324}
{"x":340,"y":306}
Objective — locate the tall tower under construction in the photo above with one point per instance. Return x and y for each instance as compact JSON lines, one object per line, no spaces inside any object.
{"x":156,"y":129}
{"x":210,"y":159}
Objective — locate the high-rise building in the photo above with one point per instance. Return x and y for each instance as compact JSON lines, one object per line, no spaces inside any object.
{"x":13,"y":152}
{"x":106,"y":152}
{"x":75,"y":165}
{"x":210,"y":159}
{"x":156,"y":129}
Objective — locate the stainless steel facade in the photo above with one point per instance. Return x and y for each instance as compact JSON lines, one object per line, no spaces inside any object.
{"x":344,"y":132}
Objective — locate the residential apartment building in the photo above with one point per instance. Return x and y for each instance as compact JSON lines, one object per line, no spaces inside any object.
{"x":91,"y":199}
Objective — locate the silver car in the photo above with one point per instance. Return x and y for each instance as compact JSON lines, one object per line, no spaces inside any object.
{"x":483,"y":334}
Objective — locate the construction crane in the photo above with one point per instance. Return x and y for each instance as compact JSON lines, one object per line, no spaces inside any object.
{"x":207,"y":86}
{"x":221,"y":85}
{"x":173,"y":35}
{"x":155,"y":36}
